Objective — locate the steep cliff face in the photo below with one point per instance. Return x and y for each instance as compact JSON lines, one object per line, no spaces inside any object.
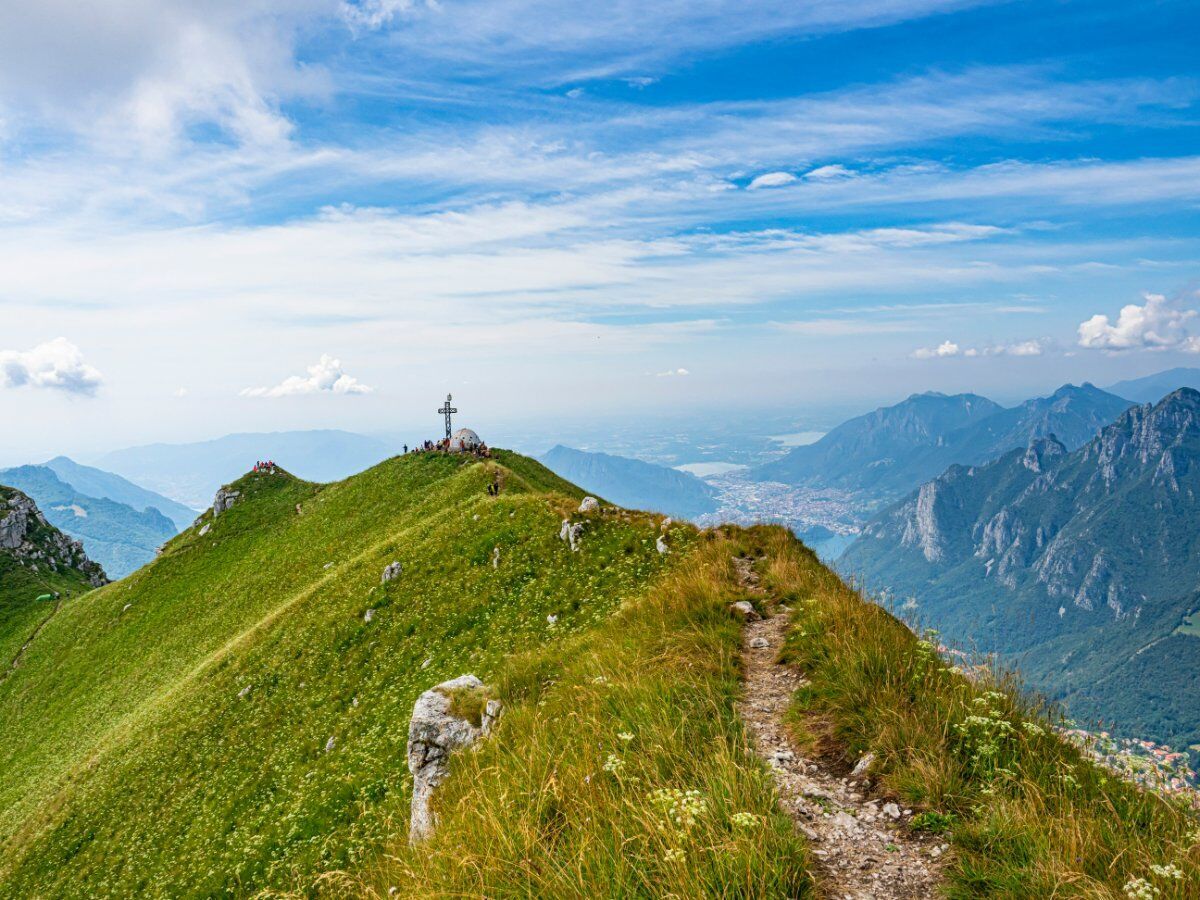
{"x":33,"y":543}
{"x":1076,"y":560}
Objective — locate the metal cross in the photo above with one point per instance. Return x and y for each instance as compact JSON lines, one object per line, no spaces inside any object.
{"x":447,"y":410}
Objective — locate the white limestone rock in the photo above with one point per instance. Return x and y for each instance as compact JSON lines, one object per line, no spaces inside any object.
{"x":391,"y":572}
{"x":589,"y":504}
{"x":224,"y":500}
{"x":744,"y":610}
{"x":433,"y":734}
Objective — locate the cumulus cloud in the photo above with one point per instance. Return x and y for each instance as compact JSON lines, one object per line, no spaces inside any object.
{"x":1033,"y":347}
{"x":55,"y":365}
{"x":326,"y":376}
{"x":772,"y":179}
{"x":942,"y":350}
{"x":672,"y":373}
{"x":1158,"y":324}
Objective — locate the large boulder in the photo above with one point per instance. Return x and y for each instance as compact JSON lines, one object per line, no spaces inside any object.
{"x":589,"y":504}
{"x":453,"y":715}
{"x":223,"y":500}
{"x":391,"y":572}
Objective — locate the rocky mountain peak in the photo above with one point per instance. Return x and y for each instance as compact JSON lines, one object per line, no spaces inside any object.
{"x":1040,"y":451}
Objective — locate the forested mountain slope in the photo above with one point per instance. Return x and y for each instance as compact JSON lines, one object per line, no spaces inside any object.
{"x":1083,"y":566}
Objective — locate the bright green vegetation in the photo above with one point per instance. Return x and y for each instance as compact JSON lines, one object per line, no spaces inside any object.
{"x":619,"y":768}
{"x":229,"y":721}
{"x":225,"y":720}
{"x":1029,"y":816}
{"x":21,"y":612}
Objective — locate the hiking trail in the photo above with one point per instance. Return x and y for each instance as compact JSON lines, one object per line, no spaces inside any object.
{"x":862,"y":846}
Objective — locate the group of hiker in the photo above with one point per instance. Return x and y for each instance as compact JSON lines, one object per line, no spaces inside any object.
{"x":264,"y":467}
{"x":482,"y":450}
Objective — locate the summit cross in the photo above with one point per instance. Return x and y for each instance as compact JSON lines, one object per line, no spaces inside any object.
{"x":447,"y":410}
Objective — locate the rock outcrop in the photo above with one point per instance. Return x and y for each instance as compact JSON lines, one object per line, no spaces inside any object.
{"x":34,"y":542}
{"x":391,"y":572}
{"x":570,"y":532}
{"x":223,"y":500}
{"x":449,"y":717}
{"x":589,"y":504}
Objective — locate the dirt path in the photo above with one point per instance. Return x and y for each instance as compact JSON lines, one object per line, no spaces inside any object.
{"x":862,"y":848}
{"x":16,"y":660}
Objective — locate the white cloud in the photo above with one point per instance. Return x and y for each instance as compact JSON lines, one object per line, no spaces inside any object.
{"x":1158,"y":324}
{"x":941,"y":351}
{"x":672,"y":373}
{"x":55,"y":365}
{"x":324,"y":377}
{"x":828,"y":173}
{"x":772,"y":179}
{"x":1032,"y":347}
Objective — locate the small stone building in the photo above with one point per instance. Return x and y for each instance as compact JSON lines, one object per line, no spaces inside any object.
{"x":464,"y":441}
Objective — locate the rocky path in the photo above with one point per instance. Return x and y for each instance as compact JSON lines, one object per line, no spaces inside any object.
{"x":861,"y":846}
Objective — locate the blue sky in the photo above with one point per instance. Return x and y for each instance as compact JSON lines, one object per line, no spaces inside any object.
{"x":239,"y":215}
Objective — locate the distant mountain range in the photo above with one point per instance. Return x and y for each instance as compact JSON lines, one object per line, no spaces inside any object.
{"x":1083,"y":566}
{"x":117,"y":536}
{"x":98,"y":483}
{"x":633,"y":483}
{"x":890,"y":451}
{"x":192,"y":473}
{"x":1153,"y":388}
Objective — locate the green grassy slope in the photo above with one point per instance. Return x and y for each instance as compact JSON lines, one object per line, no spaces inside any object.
{"x":21,"y":612}
{"x":226,"y":720}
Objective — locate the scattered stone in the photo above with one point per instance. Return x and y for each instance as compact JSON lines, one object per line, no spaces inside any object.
{"x":864,"y":763}
{"x":552,"y":620}
{"x":368,"y":615}
{"x":570,"y":533}
{"x":206,"y":529}
{"x":589,"y":504}
{"x":327,"y":565}
{"x":759,"y":643}
{"x":427,"y":663}
{"x":354,"y":703}
{"x":666,"y":523}
{"x":126,"y":607}
{"x":223,"y":500}
{"x":891,"y":810}
{"x":433,"y":734}
{"x":329,"y":744}
{"x":391,"y":572}
{"x":495,"y":557}
{"x":744,"y":610}
{"x":244,"y":692}
{"x":661,"y":546}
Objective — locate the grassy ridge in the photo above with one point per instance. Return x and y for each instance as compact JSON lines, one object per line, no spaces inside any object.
{"x":572,"y":796}
{"x":1030,"y":817}
{"x":241,"y":725}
